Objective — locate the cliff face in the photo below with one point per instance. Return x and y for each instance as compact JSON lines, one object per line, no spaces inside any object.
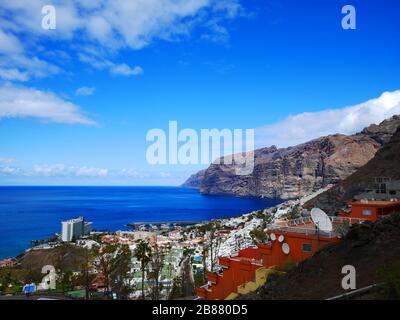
{"x":195,"y":180}
{"x":323,"y":161}
{"x":384,"y":164}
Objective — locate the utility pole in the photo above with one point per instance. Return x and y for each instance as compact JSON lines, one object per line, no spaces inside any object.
{"x":300,"y":206}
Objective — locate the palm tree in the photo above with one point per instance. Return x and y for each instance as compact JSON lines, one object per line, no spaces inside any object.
{"x":143,"y":254}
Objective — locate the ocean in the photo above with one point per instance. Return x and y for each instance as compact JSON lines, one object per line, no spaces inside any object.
{"x":31,"y":213}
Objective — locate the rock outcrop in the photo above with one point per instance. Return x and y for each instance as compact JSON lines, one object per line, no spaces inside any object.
{"x":323,"y":161}
{"x":195,"y":180}
{"x":384,"y":164}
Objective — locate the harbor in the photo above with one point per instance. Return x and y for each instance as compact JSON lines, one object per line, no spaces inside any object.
{"x":162,"y":224}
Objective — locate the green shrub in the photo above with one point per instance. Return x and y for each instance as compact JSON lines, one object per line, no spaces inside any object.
{"x":288,"y":265}
{"x":390,"y":277}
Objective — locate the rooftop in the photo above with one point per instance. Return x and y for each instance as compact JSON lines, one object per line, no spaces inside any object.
{"x":74,"y":220}
{"x":306,"y":226}
{"x":376,"y":203}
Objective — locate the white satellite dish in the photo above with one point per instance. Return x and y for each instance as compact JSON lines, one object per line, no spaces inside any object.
{"x":272,"y":236}
{"x":285,"y":248}
{"x":321,"y":220}
{"x":281,"y":238}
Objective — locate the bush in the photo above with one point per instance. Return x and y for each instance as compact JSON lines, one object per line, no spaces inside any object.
{"x":199,"y":279}
{"x":390,"y":277}
{"x":289,"y":265}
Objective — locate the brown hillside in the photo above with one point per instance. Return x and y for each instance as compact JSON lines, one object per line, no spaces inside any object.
{"x":34,"y":260}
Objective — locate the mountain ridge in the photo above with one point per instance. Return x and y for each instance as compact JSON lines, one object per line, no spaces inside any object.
{"x":319,"y":162}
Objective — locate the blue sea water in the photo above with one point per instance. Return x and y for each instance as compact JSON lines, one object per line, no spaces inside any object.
{"x":28,"y":213}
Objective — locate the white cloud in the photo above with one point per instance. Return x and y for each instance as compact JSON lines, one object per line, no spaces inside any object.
{"x":59,"y":170}
{"x":54,"y":170}
{"x":21,"y":67}
{"x":125,"y":70}
{"x":11,"y":74}
{"x":97,"y":61}
{"x":85,"y":91}
{"x":67,"y":171}
{"x":107,"y":25}
{"x":9,"y":44}
{"x":166,"y":175}
{"x":90,"y":172}
{"x":9,"y":171}
{"x":310,"y":125}
{"x":7,"y":160}
{"x":23,"y":102}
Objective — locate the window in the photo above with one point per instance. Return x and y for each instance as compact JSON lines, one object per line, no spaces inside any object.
{"x":366,"y":212}
{"x":307,"y":247}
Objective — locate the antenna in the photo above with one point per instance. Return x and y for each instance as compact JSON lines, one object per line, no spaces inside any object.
{"x":285,"y":248}
{"x":321,"y":220}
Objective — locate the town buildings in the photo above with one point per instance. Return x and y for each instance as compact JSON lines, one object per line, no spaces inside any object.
{"x":10,"y":262}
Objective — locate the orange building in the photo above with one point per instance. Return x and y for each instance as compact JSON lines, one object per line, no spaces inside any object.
{"x":236,"y":271}
{"x":302,"y":243}
{"x":372,"y":209}
{"x":289,"y":242}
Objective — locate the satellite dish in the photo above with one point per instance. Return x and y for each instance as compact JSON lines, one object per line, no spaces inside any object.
{"x":285,"y":248}
{"x":321,"y":220}
{"x":273,"y":236}
{"x":281,"y":238}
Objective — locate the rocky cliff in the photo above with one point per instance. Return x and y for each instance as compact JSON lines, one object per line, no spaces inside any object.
{"x":384,"y":164}
{"x":323,"y":161}
{"x":195,"y":180}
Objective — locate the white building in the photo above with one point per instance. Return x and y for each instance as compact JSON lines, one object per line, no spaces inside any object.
{"x":74,"y":228}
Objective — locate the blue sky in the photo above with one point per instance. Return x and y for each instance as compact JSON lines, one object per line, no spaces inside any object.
{"x":76,"y":102}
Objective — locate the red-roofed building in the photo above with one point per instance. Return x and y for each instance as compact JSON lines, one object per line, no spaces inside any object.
{"x":7,"y":262}
{"x":372,"y":209}
{"x":290,"y":242}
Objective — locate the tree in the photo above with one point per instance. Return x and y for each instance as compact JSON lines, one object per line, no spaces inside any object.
{"x":88,"y":257}
{"x":114,"y":261}
{"x":177,"y":288}
{"x":121,"y":273}
{"x":204,"y":258}
{"x":157,"y":264}
{"x":143,"y":254}
{"x":65,"y":257}
{"x":258,"y":235}
{"x":105,"y":255}
{"x":211,"y":247}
